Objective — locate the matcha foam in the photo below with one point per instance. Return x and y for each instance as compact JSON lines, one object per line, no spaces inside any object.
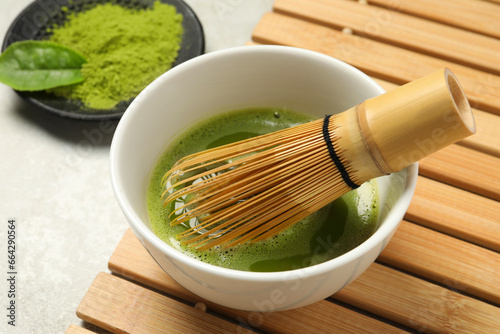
{"x":326,"y":234}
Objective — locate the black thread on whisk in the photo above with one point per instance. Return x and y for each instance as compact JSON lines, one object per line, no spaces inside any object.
{"x":334,"y":156}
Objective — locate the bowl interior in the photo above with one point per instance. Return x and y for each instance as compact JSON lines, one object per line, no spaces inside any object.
{"x":244,"y":77}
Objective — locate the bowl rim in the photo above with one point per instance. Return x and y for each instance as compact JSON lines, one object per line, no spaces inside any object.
{"x":140,"y":227}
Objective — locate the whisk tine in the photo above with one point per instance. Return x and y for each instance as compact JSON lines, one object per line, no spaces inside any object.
{"x":212,"y":158}
{"x":256,"y":168}
{"x":246,"y":186}
{"x":253,"y":164}
{"x":256,"y":182}
{"x":288,"y":214}
{"x":274,"y":197}
{"x":241,"y":148}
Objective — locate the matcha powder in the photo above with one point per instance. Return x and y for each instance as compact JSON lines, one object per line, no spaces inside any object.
{"x":126,"y":50}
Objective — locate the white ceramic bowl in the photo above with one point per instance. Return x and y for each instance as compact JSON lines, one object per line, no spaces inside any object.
{"x":250,"y":76}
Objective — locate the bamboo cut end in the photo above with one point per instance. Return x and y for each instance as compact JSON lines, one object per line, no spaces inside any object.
{"x":462,"y":105}
{"x":415,"y":120}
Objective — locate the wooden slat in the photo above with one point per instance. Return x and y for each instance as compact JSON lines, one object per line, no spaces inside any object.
{"x":486,"y":139}
{"x":122,"y":307}
{"x":407,"y":31}
{"x":398,"y":302}
{"x":464,"y":168}
{"x":74,"y":329}
{"x":375,"y":58}
{"x":424,"y":306}
{"x":446,"y":260}
{"x":131,"y":260}
{"x":456,"y":212}
{"x":474,"y":15}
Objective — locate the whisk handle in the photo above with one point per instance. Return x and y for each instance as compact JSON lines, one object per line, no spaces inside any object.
{"x":415,"y":120}
{"x":411,"y":122}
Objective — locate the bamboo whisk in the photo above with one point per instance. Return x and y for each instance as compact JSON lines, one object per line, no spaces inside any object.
{"x":254,"y":189}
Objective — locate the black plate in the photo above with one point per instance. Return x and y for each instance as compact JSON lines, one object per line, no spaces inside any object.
{"x":33,"y":21}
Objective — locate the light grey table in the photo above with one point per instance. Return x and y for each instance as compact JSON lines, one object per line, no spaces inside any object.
{"x":54,"y":181}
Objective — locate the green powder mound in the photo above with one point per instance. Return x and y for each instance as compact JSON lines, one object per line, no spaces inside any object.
{"x":126,"y":50}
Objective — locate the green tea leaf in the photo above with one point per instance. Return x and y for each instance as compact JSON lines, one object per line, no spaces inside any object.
{"x":39,"y":65}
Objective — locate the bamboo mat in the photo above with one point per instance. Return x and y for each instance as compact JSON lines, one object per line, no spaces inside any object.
{"x":441,"y":271}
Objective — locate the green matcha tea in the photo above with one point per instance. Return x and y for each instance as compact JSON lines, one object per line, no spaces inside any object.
{"x":324,"y":235}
